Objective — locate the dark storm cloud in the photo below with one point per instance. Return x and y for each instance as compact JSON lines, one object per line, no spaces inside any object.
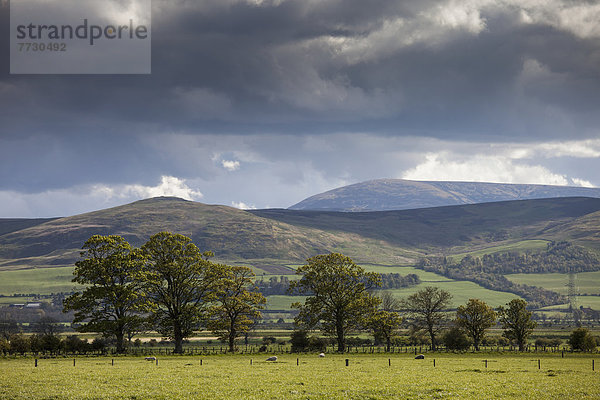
{"x":473,"y":70}
{"x":241,"y":67}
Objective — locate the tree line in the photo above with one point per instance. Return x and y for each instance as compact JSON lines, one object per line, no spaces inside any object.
{"x":281,"y":285}
{"x":340,"y":301}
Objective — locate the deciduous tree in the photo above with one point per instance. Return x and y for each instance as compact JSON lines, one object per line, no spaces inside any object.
{"x":180,"y":282}
{"x":427,"y":308}
{"x":475,"y":318}
{"x":237,"y":304}
{"x":516,"y":322}
{"x":112,"y":271}
{"x":384,"y":325}
{"x":338,"y":296}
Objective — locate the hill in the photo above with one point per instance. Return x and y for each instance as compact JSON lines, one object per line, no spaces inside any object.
{"x":230,"y":233}
{"x":400,"y":194}
{"x":292,"y":236}
{"x":466,"y":226}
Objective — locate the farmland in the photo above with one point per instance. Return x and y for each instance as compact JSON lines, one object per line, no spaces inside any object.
{"x":251,"y":377}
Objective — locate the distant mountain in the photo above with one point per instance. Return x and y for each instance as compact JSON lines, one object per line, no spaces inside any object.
{"x":400,"y":194}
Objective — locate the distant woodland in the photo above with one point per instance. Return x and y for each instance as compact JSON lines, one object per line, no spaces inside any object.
{"x":275,"y":286}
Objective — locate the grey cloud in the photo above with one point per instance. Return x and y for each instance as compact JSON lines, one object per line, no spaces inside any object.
{"x":264,"y":80}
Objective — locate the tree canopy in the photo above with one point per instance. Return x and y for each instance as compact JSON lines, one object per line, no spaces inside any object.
{"x":111,"y":303}
{"x":338,"y":296}
{"x":475,"y":318}
{"x":427,"y":309}
{"x":180,"y":282}
{"x":516,"y":322}
{"x":236,"y":306}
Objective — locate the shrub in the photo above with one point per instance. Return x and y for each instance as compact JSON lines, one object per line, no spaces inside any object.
{"x":299,"y":340}
{"x":317,"y":344}
{"x":99,"y":344}
{"x":582,"y":339}
{"x":269,"y":340}
{"x":19,"y":344}
{"x":456,"y":339}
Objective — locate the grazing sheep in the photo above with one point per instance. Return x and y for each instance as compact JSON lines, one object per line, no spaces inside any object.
{"x":273,"y":358}
{"x":420,"y":357}
{"x":150,"y":358}
{"x":322,"y":355}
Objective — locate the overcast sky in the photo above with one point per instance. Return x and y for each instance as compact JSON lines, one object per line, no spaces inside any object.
{"x":262,"y":103}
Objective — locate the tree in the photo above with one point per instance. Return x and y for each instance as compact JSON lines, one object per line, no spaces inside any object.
{"x":426,"y":308}
{"x":237,"y":305}
{"x":112,"y":271}
{"x":338,"y":296}
{"x":384,"y":325}
{"x":8,"y":327}
{"x":389,"y":302}
{"x":475,"y":318}
{"x":179,"y":282}
{"x":582,"y":339}
{"x":516,"y":322}
{"x":385,"y":322}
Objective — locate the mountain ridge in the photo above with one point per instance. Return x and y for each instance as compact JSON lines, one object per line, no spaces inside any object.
{"x":402,"y":194}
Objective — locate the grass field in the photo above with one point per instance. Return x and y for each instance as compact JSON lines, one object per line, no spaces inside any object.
{"x":39,"y":281}
{"x":519,"y":247}
{"x":461,"y":292}
{"x":585,"y":282}
{"x":366,"y":377}
{"x":585,"y":301}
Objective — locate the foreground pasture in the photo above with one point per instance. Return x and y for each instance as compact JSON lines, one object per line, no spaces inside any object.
{"x":366,"y":377}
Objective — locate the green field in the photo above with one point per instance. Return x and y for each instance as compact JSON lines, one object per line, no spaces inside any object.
{"x":366,"y":377}
{"x":461,"y":292}
{"x":54,"y":280}
{"x":519,"y":247}
{"x":584,"y":301}
{"x":585,"y":282}
{"x":38,"y":280}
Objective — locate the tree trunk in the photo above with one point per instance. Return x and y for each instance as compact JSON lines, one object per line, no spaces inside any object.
{"x":341,"y":339}
{"x":120,"y":339}
{"x":389,"y":344}
{"x":232,"y":335}
{"x":178,"y":337}
{"x":432,"y":336}
{"x":476,"y":344}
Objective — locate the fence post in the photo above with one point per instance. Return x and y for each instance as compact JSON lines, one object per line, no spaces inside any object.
{"x":347,"y":361}
{"x":36,"y":362}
